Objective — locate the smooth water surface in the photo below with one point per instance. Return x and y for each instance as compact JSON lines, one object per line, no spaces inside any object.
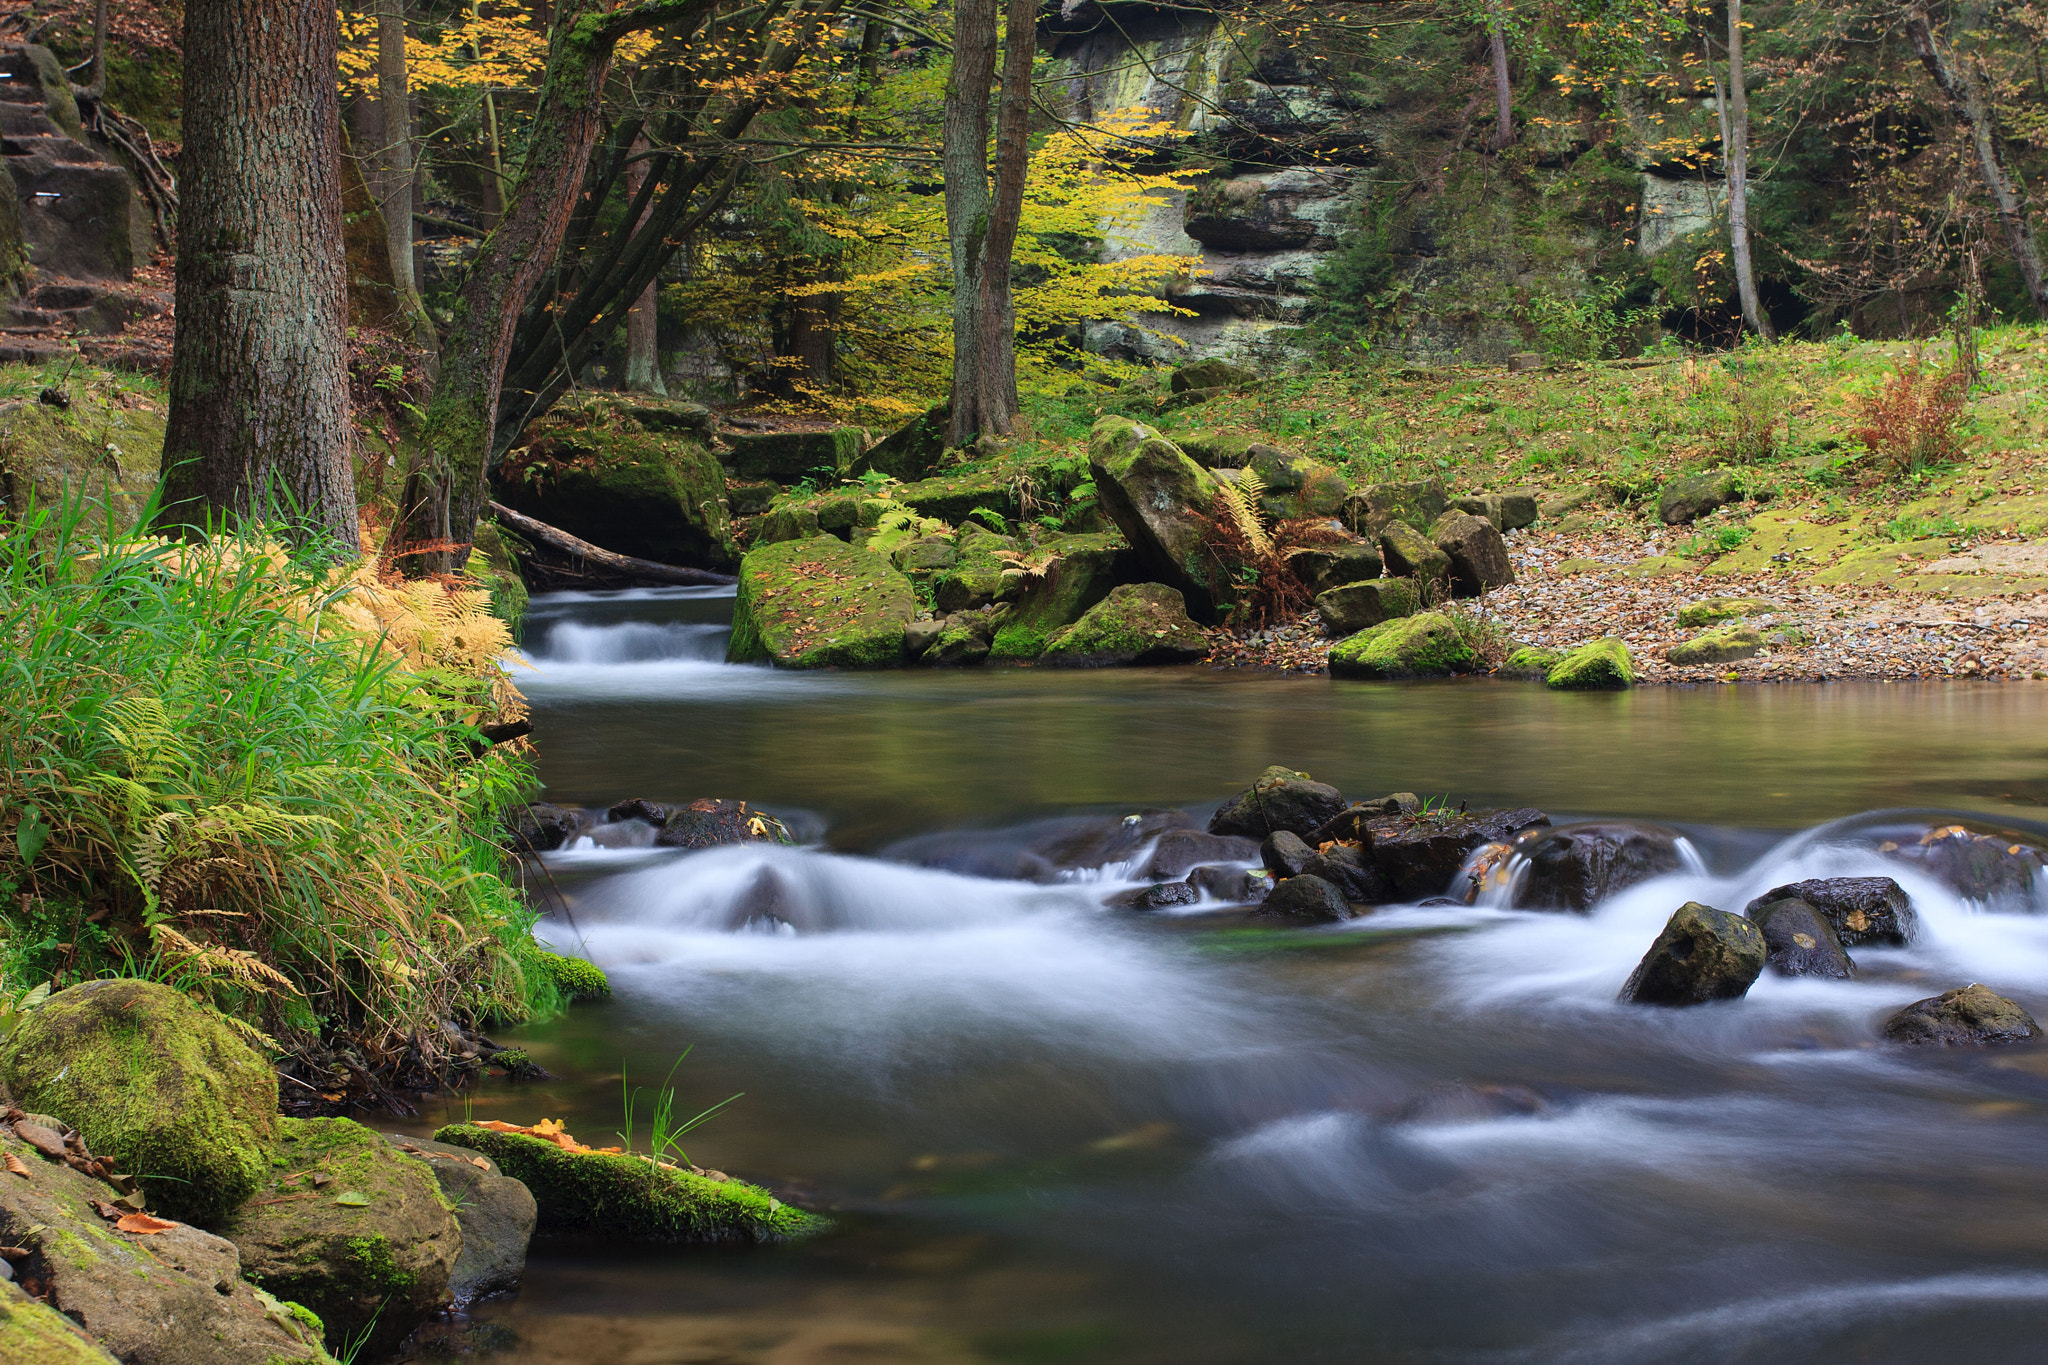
{"x":1053,"y":1132}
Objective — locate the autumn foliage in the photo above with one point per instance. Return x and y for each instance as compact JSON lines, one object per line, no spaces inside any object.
{"x":1911,"y":421}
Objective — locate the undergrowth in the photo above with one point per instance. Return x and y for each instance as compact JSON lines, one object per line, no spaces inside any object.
{"x":261,"y":779}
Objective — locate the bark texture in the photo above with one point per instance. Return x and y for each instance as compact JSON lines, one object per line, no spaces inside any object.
{"x":259,"y":408}
{"x":1503,"y":91}
{"x":1962,"y":84}
{"x":1734,"y":111}
{"x":643,"y":336}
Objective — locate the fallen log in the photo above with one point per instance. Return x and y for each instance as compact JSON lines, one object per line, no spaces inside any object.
{"x":602,"y":560}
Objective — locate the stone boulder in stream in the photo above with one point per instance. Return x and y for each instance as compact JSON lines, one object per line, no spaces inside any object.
{"x":819,"y":603}
{"x":541,"y":828}
{"x":496,"y":1214}
{"x":1285,"y":854}
{"x":1575,"y":867}
{"x":1702,"y":955}
{"x":1972,"y":1015}
{"x":1181,"y":850}
{"x":1281,"y":799}
{"x":1160,"y":897}
{"x":1863,"y":910}
{"x":1801,"y":941}
{"x":1140,"y":623}
{"x":1350,"y":868}
{"x":710,"y":823}
{"x":1998,"y":870}
{"x":1421,"y":854}
{"x":1236,"y":885}
{"x":1304,"y":900}
{"x":1158,"y":498}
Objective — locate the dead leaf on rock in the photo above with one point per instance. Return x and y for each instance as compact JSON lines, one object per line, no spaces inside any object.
{"x":143,"y":1224}
{"x":17,"y":1165}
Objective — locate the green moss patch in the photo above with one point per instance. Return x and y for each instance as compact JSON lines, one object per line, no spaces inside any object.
{"x":1597,"y":665}
{"x":819,"y":603}
{"x":630,"y":1196}
{"x":1421,"y":646}
{"x":1081,"y":575}
{"x":575,"y":978}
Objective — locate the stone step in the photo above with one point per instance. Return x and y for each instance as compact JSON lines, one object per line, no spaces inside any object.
{"x":55,"y":148}
{"x":24,"y":120}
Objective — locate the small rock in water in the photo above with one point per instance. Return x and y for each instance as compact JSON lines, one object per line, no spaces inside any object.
{"x":1236,"y":885}
{"x":1801,"y":941}
{"x":1574,"y":867}
{"x":1304,"y":900}
{"x":1862,"y":909}
{"x":1986,"y":868}
{"x":542,"y":828}
{"x":1421,"y":854}
{"x":1703,"y":954}
{"x":1280,"y":799}
{"x":1285,"y":855}
{"x":1349,"y":868}
{"x":1155,"y":897}
{"x":1961,"y":1018}
{"x":1181,"y":849}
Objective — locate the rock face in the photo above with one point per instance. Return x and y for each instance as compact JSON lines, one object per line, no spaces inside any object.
{"x":1140,"y":623}
{"x":175,"y":1297}
{"x":541,"y":828}
{"x":912,"y":451}
{"x":1861,"y":909}
{"x":1360,"y":606}
{"x":80,"y":215}
{"x":618,"y":474}
{"x":1801,"y":941}
{"x":1304,"y":900}
{"x":1601,"y":665}
{"x":1411,"y":554}
{"x":819,"y":603}
{"x":1478,"y":555}
{"x":1049,"y":602}
{"x":1703,"y":955}
{"x":1961,"y":1018}
{"x":1323,"y":567}
{"x":710,"y":822}
{"x":1157,"y":497}
{"x":1575,"y":867}
{"x":1420,"y":854}
{"x":1690,"y":496}
{"x":154,"y":1082}
{"x":496,"y":1214}
{"x":1281,"y":799}
{"x":628,"y":1197}
{"x":368,"y":1238}
{"x":1422,"y":646}
{"x":1722,"y":646}
{"x":787,"y":457}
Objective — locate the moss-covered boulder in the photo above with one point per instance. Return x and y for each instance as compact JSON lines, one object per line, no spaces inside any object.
{"x":1722,"y":645}
{"x":976,"y":577}
{"x":1597,"y":665}
{"x":819,"y":603}
{"x":1322,"y":567}
{"x":912,"y":451}
{"x":597,"y":470}
{"x":1222,"y":448}
{"x":351,"y":1228}
{"x":1211,"y":374}
{"x":631,"y":1197}
{"x":496,"y":1213}
{"x":1297,"y":486}
{"x":1702,"y":955}
{"x":171,"y":1297}
{"x":1411,"y":554}
{"x":791,"y":456}
{"x":155,"y":1082}
{"x":1427,"y":645}
{"x":1140,"y":623}
{"x":957,"y":496}
{"x":104,"y":449}
{"x":1080,"y":574}
{"x":1691,"y":496}
{"x":1354,"y":607}
{"x":1159,"y":499}
{"x":1968,"y":1016}
{"x":575,"y":978}
{"x":1417,"y":503}
{"x":790,"y":521}
{"x":1714,"y":610}
{"x":1531,"y":662}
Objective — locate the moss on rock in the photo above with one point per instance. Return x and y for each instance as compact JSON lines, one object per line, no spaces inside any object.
{"x":629,"y":1196}
{"x":155,"y":1082}
{"x":1597,"y":665}
{"x":1159,"y":499}
{"x":819,"y":603}
{"x":1722,"y":645}
{"x":575,"y":978}
{"x":36,"y":1334}
{"x":104,"y":449}
{"x":1713,"y":610}
{"x":1141,"y":623}
{"x":791,"y":456}
{"x":1532,"y":661}
{"x":1421,"y":646}
{"x":1081,"y":574}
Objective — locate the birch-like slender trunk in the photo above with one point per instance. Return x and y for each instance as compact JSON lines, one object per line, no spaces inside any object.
{"x":1734,"y":107}
{"x":394,"y":181}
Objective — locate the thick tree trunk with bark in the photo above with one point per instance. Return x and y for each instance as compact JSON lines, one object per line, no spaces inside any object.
{"x":259,"y":407}
{"x":394,"y":184}
{"x":981,"y":225}
{"x":1962,"y":84}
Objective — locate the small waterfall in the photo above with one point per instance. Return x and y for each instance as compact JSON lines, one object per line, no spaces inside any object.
{"x":629,"y":642}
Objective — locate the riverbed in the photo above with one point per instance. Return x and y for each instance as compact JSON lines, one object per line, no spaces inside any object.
{"x":1052,"y":1132}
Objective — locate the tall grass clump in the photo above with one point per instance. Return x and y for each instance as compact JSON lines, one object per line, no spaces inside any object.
{"x":259,"y":777}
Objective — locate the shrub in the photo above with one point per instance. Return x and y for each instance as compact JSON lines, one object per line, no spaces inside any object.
{"x":1911,"y":421}
{"x":1254,"y":581}
{"x":262,"y":779}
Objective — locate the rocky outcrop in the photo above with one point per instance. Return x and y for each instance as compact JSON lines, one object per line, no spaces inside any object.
{"x":819,"y":603}
{"x":155,"y":1083}
{"x":1800,"y":940}
{"x":1141,"y":623}
{"x":789,"y":457}
{"x":1970,"y":1016}
{"x":1281,"y":799}
{"x":1427,"y":645}
{"x":1863,"y":910}
{"x":81,"y":217}
{"x":1157,"y":497}
{"x":1575,"y":867}
{"x":1702,"y":955}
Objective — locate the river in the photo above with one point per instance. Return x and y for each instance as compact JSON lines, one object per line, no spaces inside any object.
{"x":1052,"y":1132}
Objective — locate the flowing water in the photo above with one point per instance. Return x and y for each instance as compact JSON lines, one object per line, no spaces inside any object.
{"x":1052,"y":1132}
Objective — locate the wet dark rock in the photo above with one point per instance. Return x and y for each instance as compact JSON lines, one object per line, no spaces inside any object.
{"x":638,"y":808}
{"x":1304,"y":900}
{"x":1285,"y":855}
{"x":1155,"y":897}
{"x":1097,"y":842}
{"x":1862,"y":909}
{"x":1237,"y":885}
{"x":496,"y":1214}
{"x":1702,"y":955}
{"x":1478,"y":554}
{"x":1182,"y":849}
{"x":1420,"y":855}
{"x":1801,"y":941}
{"x":1350,"y":868}
{"x":920,"y":636}
{"x":542,"y":828}
{"x":1355,"y":820}
{"x":1961,"y":1018}
{"x":1280,"y":799}
{"x":709,"y":823}
{"x":1991,"y":869}
{"x":1575,"y":867}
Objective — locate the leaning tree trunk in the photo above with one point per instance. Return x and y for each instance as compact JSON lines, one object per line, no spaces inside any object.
{"x":395,"y":179}
{"x":259,"y":407}
{"x":1735,"y":159}
{"x":981,"y":227}
{"x":1962,"y":85}
{"x":1503,"y":91}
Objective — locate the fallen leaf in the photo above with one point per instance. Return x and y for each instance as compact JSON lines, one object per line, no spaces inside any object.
{"x":352,"y":1199}
{"x":17,"y":1165}
{"x":143,"y":1224}
{"x":480,"y":1163}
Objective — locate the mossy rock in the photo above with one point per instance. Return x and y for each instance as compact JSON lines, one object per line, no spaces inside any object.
{"x":1597,"y":665}
{"x":1417,"y":503}
{"x":1427,"y":645}
{"x":34,"y":1333}
{"x":1532,"y":661}
{"x":1715,"y":610}
{"x":1409,"y":553}
{"x":792,"y":456}
{"x":976,"y":577}
{"x":819,"y":603}
{"x":627,"y":1196}
{"x":1690,"y":496}
{"x":1081,"y":576}
{"x":353,"y":1229}
{"x":1353,"y":607}
{"x":155,"y":1082}
{"x":1225,"y":448}
{"x":596,"y":472}
{"x":1724,"y":645}
{"x":104,"y":450}
{"x":1211,"y":374}
{"x":955,"y":497}
{"x":1141,"y":623}
{"x":491,"y":562}
{"x":1159,"y":499}
{"x":911,"y":451}
{"x":790,"y":521}
{"x":575,"y":978}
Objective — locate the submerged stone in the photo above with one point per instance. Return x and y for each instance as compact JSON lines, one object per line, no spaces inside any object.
{"x":1970,"y":1016}
{"x":1702,"y":955}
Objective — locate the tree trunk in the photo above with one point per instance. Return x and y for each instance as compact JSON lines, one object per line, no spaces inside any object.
{"x":444,"y":492}
{"x":1503,"y":92}
{"x":1962,"y":84}
{"x":259,"y":407}
{"x":981,"y":228}
{"x":1735,"y":160}
{"x":643,"y":351}
{"x":394,"y":184}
